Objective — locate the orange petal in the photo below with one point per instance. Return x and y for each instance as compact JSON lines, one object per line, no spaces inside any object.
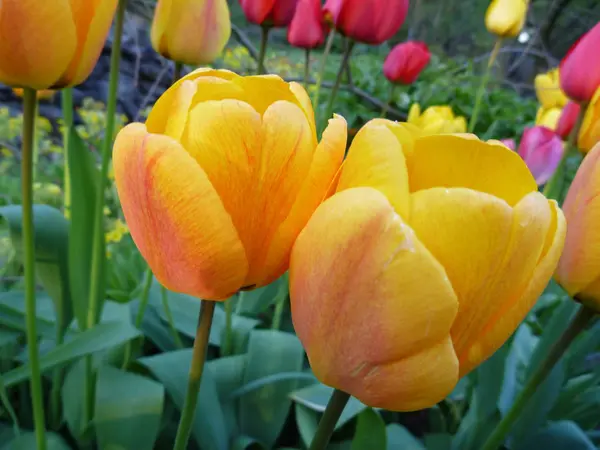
{"x":375,"y":159}
{"x":176,"y":217}
{"x":371,"y":304}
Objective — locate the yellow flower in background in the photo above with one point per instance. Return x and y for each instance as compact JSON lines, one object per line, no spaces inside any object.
{"x":191,"y":31}
{"x":436,"y":120}
{"x":44,"y":94}
{"x":548,"y":117}
{"x":505,"y":18}
{"x":548,"y":91}
{"x":589,"y":135}
{"x":117,"y":230}
{"x":426,"y":259}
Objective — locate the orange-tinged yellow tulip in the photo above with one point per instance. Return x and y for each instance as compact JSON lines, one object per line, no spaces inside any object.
{"x":589,"y":135}
{"x":220,"y":180}
{"x":191,"y":31}
{"x":548,"y":91}
{"x":505,"y":18}
{"x":44,"y":94}
{"x":436,"y":119}
{"x":51,"y":44}
{"x":579,"y":267}
{"x":422,"y":264}
{"x":548,"y":117}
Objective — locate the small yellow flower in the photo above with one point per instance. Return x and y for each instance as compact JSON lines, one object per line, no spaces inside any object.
{"x":436,"y":120}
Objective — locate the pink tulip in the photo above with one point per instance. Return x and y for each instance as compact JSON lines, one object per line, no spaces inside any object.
{"x":541,"y":149}
{"x":510,"y":143}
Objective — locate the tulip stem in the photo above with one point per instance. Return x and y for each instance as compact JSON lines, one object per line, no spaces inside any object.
{"x":280,"y":300}
{"x":98,"y":251}
{"x":35,"y":382}
{"x":207,"y":309}
{"x":139,"y":317}
{"x":390,"y":99}
{"x":177,"y":71}
{"x":67,"y":112}
{"x":554,"y":186}
{"x":228,"y":336}
{"x":326,"y":52}
{"x":338,"y":80}
{"x":306,"y":68}
{"x":579,"y":323}
{"x":484,"y":81}
{"x":164,"y":295}
{"x":264,"y":41}
{"x":332,"y":413}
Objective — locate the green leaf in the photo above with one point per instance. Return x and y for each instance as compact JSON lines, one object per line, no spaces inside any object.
{"x":370,"y":432}
{"x":307,"y":422}
{"x":99,"y":338}
{"x":51,"y":254}
{"x":317,"y":396}
{"x":12,"y":313}
{"x":84,"y":177}
{"x":438,"y":441}
{"x":558,"y":436}
{"x":8,"y":337}
{"x":245,"y":442}
{"x":128,"y":410}
{"x":398,"y":437}
{"x":72,"y":397}
{"x":228,"y":373}
{"x":585,"y":344}
{"x":263,"y":412}
{"x":254,"y":302}
{"x":26,"y":441}
{"x":171,"y":369}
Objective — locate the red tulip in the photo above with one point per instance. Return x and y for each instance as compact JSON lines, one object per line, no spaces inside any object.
{"x":406,"y":61}
{"x":368,"y":21}
{"x":567,"y":119}
{"x":580,"y":68}
{"x":541,"y":149}
{"x":307,"y":29}
{"x":276,"y":13}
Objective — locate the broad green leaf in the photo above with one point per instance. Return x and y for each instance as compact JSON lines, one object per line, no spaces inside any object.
{"x":564,"y":435}
{"x":8,"y":337}
{"x":263,"y":412}
{"x":246,"y":443}
{"x":51,"y":254}
{"x":99,"y":338}
{"x":584,"y":408}
{"x":128,"y":410}
{"x":370,"y":432}
{"x":228,"y":374}
{"x":252,"y":303}
{"x":307,"y":421}
{"x":171,"y":369}
{"x":84,"y":177}
{"x":72,"y":397}
{"x":12,"y":313}
{"x":26,"y":441}
{"x":154,"y":328}
{"x":316,"y":397}
{"x":438,"y":441}
{"x":585,"y":344}
{"x":398,"y":437}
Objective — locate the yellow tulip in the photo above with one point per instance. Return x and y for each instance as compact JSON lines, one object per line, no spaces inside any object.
{"x":505,"y":18}
{"x":422,"y":264}
{"x":579,"y":267}
{"x":44,"y":94}
{"x":51,"y":44}
{"x":548,"y":117}
{"x":220,"y":180}
{"x":191,"y":31}
{"x":589,"y":135}
{"x":436,"y":120}
{"x":548,"y":91}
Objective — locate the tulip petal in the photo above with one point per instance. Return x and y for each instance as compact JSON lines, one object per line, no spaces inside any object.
{"x":375,"y":159}
{"x":31,"y":31}
{"x":256,"y":167}
{"x":326,"y":162}
{"x":306,"y":105}
{"x":435,"y":164}
{"x":406,"y":133}
{"x":264,"y":90}
{"x":357,"y":264}
{"x":176,"y":217}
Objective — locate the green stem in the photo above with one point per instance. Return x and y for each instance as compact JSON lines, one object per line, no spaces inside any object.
{"x":338,"y":80}
{"x":37,"y":400}
{"x":139,"y":317}
{"x":164,"y":295}
{"x":207,"y":309}
{"x":228,"y":334}
{"x":282,"y":295}
{"x":332,"y":413}
{"x":36,"y":146}
{"x":57,"y":380}
{"x":98,"y":253}
{"x":553,"y":187}
{"x":482,"y":86}
{"x":386,"y":107}
{"x":328,"y":46}
{"x":67,"y":112}
{"x":580,"y":321}
{"x":264,"y":41}
{"x":306,"y":68}
{"x":177,"y":71}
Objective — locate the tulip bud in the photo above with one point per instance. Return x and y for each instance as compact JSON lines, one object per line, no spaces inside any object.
{"x":567,"y":120}
{"x":505,"y":18}
{"x":579,"y":267}
{"x":580,"y":68}
{"x":548,"y":91}
{"x":274,"y":13}
{"x":589,"y":135}
{"x":46,"y":45}
{"x":547,"y":117}
{"x":510,"y":143}
{"x":406,"y":61}
{"x":191,"y":31}
{"x":307,"y":29}
{"x":421,"y":265}
{"x":542,"y":150}
{"x":220,"y":180}
{"x":367,"y":21}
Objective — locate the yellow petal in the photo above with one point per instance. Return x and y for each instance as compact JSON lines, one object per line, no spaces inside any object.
{"x":505,"y":18}
{"x":264,"y":90}
{"x":456,"y":161}
{"x":371,"y":305}
{"x":413,"y":113}
{"x":406,"y":133}
{"x":375,"y":159}
{"x":38,"y":42}
{"x":176,"y":217}
{"x":306,"y":105}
